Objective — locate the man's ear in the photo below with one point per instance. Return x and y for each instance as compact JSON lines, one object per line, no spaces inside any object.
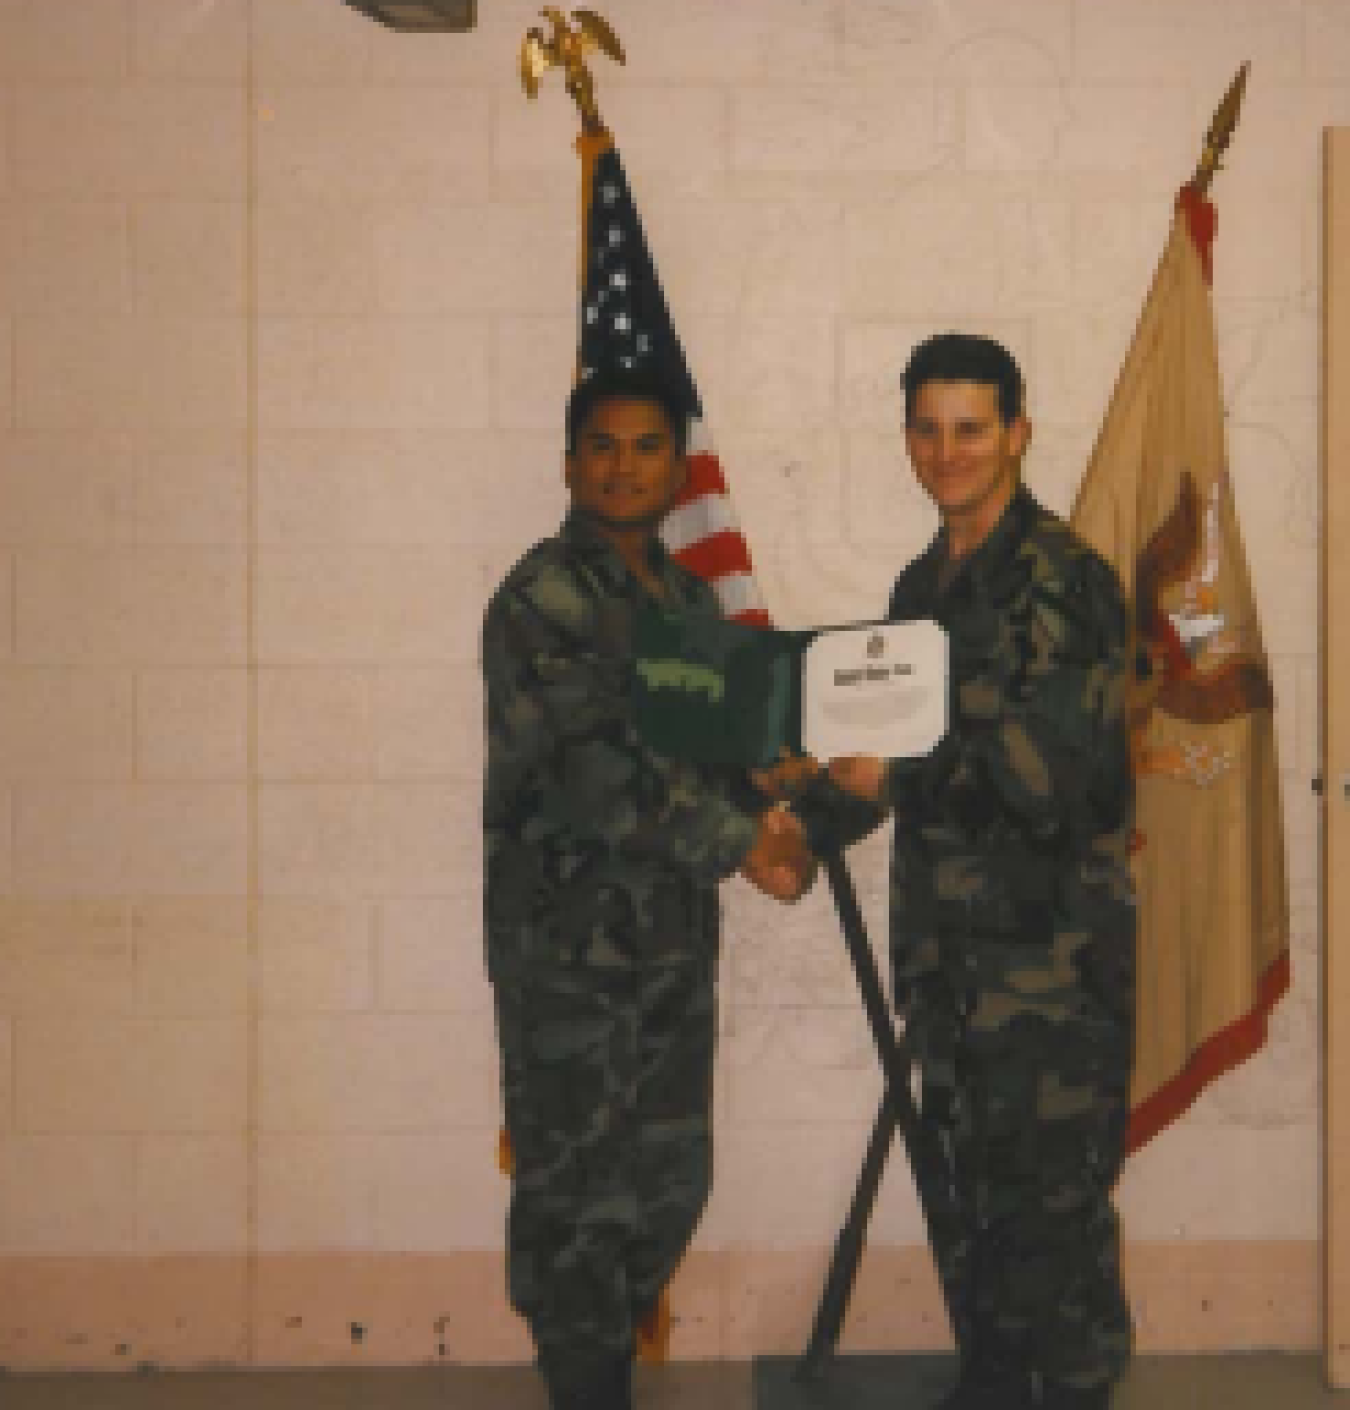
{"x":1019,"y":437}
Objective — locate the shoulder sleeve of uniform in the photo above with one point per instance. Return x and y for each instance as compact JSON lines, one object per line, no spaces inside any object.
{"x":833,"y":820}
{"x":1077,"y":599}
{"x":1098,"y":581}
{"x":550,"y":587}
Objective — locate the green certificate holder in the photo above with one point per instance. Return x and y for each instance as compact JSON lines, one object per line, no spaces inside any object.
{"x":717,"y":692}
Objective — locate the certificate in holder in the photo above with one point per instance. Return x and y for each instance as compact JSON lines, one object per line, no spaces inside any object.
{"x":717,"y":692}
{"x":878,"y":690}
{"x":714,"y":691}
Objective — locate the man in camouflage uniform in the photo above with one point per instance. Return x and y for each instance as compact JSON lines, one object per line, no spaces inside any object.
{"x":1012,"y":908}
{"x":603,"y":861}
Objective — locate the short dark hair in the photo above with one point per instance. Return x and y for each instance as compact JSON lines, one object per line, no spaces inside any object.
{"x":635,"y":385}
{"x":965,"y":357}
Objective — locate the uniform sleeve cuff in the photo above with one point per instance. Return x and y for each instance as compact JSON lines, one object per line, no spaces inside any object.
{"x":736,"y":838}
{"x":899,"y":784}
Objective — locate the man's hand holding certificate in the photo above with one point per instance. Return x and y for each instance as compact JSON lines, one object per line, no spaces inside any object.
{"x":860,"y":774}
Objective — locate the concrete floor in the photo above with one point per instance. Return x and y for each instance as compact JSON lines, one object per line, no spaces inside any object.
{"x":1257,"y":1381}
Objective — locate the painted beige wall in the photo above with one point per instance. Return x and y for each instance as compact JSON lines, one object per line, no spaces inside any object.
{"x":285,"y":328}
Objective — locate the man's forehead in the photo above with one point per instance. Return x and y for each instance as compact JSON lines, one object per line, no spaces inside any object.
{"x":939,"y":397}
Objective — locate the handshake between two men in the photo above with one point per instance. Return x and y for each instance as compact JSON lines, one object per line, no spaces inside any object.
{"x":780,"y":863}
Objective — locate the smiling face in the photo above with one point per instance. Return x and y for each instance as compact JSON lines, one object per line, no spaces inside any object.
{"x":966,"y":457}
{"x":625,"y":469}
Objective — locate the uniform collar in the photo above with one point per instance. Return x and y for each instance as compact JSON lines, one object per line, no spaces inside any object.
{"x":581,"y":534}
{"x":997,"y":550}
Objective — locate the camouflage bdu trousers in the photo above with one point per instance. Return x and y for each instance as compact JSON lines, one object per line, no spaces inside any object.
{"x":607,"y":1079}
{"x":1026,"y":1111}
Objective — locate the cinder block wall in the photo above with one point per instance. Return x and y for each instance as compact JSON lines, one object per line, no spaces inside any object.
{"x":286,"y":320}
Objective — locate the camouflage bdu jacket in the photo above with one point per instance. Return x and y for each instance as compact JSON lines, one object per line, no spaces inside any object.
{"x":1011,"y":851}
{"x":598,"y":851}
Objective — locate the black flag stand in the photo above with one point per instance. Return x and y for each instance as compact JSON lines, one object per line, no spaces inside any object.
{"x":897,"y":1109}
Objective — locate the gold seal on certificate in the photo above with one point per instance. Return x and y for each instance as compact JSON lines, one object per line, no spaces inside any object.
{"x":878,"y":690}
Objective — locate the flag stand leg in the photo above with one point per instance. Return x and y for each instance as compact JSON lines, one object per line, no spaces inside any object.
{"x":848,"y":1250}
{"x":897,"y":1109}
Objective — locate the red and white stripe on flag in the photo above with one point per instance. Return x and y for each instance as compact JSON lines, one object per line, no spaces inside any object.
{"x":703,"y":535}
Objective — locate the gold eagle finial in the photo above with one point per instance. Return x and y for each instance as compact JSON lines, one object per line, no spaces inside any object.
{"x":566,"y":48}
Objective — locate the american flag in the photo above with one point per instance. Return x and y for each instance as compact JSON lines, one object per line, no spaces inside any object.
{"x":625,"y":324}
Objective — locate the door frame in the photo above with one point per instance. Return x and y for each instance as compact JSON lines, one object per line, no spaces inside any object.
{"x":1334,"y":757}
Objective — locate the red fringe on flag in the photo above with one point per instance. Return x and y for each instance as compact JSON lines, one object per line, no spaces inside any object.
{"x":1226,"y":1050}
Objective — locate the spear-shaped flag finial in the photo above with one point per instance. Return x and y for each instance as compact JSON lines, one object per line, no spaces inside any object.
{"x":1220,"y":133}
